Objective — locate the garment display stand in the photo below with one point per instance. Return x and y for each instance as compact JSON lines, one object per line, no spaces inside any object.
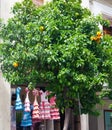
{"x":42,"y":113}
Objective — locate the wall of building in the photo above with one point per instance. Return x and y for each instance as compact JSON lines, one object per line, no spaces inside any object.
{"x":4,"y":104}
{"x":5,"y":8}
{"x":97,"y":7}
{"x":5,"y":92}
{"x":105,"y":8}
{"x":100,"y":118}
{"x":100,"y":7}
{"x":85,"y":3}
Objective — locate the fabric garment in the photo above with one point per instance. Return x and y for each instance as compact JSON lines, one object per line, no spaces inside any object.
{"x":26,"y":119}
{"x":27,"y":101}
{"x":36,"y":110}
{"x":44,"y":106}
{"x":18,"y":102}
{"x":54,"y":111}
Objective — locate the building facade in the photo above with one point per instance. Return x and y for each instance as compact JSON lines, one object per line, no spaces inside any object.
{"x":85,"y":122}
{"x":102,"y":122}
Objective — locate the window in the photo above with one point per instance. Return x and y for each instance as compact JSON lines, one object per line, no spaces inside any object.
{"x":108,"y":119}
{"x":107,"y":30}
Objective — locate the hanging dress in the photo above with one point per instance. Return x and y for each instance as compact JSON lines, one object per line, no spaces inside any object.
{"x":54,"y":110}
{"x":27,"y":101}
{"x":44,"y":106}
{"x":36,"y":110}
{"x":27,"y":119}
{"x":18,"y":102}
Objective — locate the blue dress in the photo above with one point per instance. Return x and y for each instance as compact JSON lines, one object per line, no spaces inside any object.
{"x":18,"y":103}
{"x":26,"y":119}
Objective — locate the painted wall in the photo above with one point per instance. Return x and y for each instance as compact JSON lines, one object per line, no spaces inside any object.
{"x":4,"y":104}
{"x":85,"y":3}
{"x":5,"y":8}
{"x":97,"y":7}
{"x":5,"y":91}
{"x":100,"y":118}
{"x":101,"y":7}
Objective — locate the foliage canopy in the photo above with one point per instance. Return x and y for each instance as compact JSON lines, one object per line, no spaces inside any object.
{"x":59,"y":44}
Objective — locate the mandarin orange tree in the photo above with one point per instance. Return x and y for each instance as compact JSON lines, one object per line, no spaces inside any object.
{"x":59,"y":44}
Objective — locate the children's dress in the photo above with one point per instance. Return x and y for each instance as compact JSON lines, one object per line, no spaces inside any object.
{"x":27,"y":101}
{"x":44,"y":106}
{"x":36,"y":110}
{"x":18,"y":102}
{"x":54,"y":110}
{"x":26,"y":119}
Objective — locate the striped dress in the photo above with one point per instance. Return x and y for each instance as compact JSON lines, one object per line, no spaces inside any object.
{"x":27,"y":101}
{"x":44,"y":106}
{"x":18,"y":102}
{"x":36,"y":110}
{"x":54,"y":110}
{"x":26,"y":118}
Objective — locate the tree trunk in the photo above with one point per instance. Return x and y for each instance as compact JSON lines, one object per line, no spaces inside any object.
{"x":67,"y":118}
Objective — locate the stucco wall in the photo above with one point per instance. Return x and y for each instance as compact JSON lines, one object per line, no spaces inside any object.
{"x":101,"y":7}
{"x":5,"y":93}
{"x":100,"y":118}
{"x":4,"y":104}
{"x":5,"y":8}
{"x":85,"y":3}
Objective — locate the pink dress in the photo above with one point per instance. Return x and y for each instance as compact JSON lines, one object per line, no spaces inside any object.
{"x":44,"y":106}
{"x":54,"y":110}
{"x":27,"y":102}
{"x":36,"y":110}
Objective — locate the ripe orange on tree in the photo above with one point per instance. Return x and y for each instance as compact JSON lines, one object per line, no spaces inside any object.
{"x":15,"y":64}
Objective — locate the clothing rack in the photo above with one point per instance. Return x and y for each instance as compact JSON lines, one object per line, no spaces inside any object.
{"x":47,"y":112}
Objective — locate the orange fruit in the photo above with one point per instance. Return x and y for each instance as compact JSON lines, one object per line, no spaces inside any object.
{"x":99,"y":34}
{"x":15,"y":64}
{"x":42,"y":28}
{"x":95,"y":38}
